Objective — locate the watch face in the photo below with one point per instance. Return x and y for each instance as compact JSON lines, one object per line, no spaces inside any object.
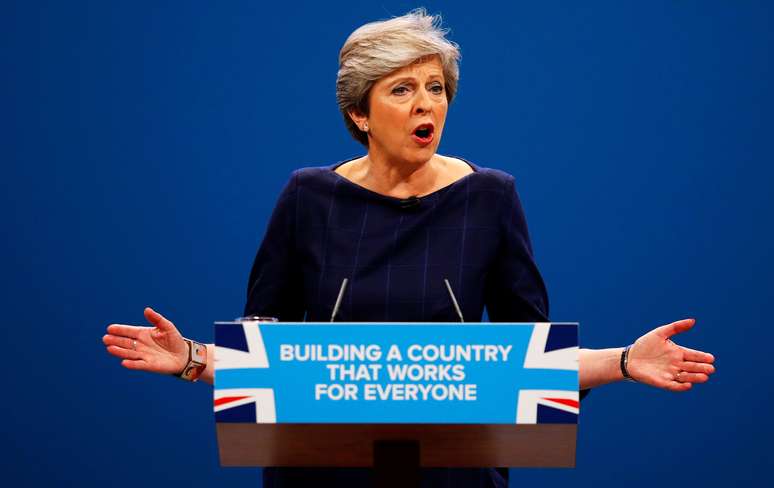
{"x":199,"y":352}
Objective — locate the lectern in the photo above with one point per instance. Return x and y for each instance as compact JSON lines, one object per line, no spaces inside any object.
{"x":396,"y":396}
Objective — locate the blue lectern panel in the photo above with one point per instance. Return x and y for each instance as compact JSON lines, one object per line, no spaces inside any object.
{"x":396,"y":373}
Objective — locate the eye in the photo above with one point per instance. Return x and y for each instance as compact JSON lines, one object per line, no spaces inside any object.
{"x":400,"y":90}
{"x":436,"y":89}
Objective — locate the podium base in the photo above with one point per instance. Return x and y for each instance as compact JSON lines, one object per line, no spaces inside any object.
{"x":396,"y":463}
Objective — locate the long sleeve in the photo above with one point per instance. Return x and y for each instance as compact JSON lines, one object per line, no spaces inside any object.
{"x":275,"y":283}
{"x":514,"y":288}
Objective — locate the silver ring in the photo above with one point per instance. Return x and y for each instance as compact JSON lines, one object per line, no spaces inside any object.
{"x":134,"y":344}
{"x":677,"y":376}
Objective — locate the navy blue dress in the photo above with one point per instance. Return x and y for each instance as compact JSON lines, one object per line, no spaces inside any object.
{"x":396,"y":254}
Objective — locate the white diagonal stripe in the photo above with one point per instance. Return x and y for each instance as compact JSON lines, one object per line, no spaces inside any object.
{"x":227,"y":358}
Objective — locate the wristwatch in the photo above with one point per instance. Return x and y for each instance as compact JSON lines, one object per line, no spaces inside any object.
{"x":197,"y":361}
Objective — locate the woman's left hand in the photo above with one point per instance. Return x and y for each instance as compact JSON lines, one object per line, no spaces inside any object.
{"x":657,"y":361}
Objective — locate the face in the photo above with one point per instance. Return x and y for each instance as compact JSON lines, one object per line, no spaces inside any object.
{"x":407,"y":113}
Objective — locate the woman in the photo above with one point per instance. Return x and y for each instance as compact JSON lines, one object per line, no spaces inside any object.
{"x":396,"y":223}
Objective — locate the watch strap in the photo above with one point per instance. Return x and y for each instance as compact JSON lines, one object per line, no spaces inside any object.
{"x":625,"y":364}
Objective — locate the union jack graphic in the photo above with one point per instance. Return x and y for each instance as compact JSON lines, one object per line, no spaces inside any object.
{"x":240,"y":346}
{"x":246,"y":390}
{"x":254,"y":405}
{"x":551,"y":346}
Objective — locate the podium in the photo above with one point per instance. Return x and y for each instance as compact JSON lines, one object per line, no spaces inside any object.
{"x":396,"y":396}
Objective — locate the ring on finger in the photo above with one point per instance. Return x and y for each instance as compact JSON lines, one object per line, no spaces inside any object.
{"x":677,"y":376}
{"x":134,"y":344}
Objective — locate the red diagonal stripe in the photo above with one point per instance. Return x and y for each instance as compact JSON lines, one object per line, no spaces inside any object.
{"x":222,"y":400}
{"x":565,"y":401}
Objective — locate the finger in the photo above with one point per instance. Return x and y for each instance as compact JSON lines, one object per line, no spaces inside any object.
{"x":692,"y":367}
{"x":158,"y":320}
{"x":667,"y":331}
{"x":123,"y":353}
{"x":132,"y":331}
{"x":692,"y":377}
{"x":698,"y":356}
{"x":123,"y":342}
{"x":676,"y":386}
{"x":137,"y":364}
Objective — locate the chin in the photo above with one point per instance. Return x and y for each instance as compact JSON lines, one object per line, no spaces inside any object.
{"x":419,"y":156}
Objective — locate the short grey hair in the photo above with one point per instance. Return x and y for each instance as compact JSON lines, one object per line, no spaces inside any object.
{"x":377,"y":49}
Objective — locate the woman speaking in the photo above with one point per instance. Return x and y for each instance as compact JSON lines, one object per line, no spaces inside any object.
{"x":397,"y":223}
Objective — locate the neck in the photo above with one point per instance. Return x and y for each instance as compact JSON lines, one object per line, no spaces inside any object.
{"x":398,"y":179}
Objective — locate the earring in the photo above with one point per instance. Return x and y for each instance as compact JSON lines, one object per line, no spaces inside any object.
{"x":365,"y":127}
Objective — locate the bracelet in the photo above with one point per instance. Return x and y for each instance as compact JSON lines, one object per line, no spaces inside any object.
{"x":625,"y":363}
{"x":197,"y":361}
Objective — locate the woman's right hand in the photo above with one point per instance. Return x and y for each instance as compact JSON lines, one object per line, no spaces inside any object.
{"x":158,"y":349}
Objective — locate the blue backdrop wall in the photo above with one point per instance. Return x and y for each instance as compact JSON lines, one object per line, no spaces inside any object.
{"x":144,"y":144}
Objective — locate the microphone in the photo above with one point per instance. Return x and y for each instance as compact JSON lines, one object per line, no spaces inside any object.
{"x":338,"y":299}
{"x":454,"y":300}
{"x":410,"y":203}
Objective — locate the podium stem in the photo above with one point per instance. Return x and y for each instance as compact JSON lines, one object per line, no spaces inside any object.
{"x":396,"y":463}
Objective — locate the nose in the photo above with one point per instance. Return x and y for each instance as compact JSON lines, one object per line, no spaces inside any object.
{"x":422,"y":102}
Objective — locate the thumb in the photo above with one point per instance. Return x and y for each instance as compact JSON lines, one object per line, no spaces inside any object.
{"x":158,"y":320}
{"x":667,"y":331}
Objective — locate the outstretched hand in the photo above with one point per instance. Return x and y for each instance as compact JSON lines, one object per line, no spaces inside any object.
{"x":158,"y":349}
{"x":657,"y":361}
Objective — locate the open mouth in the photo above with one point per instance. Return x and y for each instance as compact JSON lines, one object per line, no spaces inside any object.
{"x":423,"y":134}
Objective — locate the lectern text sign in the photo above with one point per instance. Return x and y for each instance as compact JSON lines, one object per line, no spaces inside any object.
{"x":317,"y":373}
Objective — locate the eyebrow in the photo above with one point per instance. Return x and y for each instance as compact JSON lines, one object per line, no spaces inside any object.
{"x":437,"y":77}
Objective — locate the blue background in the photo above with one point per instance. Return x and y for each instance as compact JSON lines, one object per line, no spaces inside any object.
{"x":143,"y":145}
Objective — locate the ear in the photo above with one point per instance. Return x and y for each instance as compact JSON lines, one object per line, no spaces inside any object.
{"x":358,"y":118}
